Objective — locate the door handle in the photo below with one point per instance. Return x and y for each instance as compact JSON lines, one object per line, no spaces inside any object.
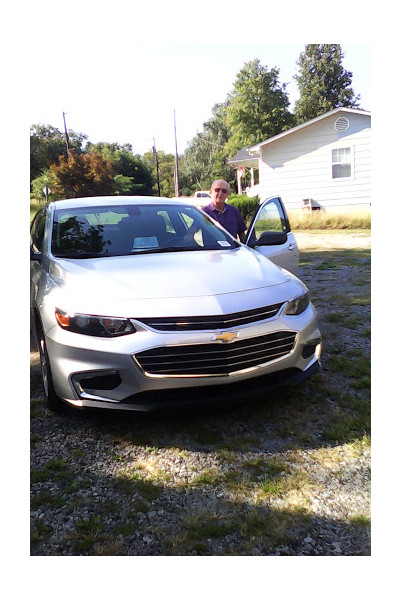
{"x":292,"y":246}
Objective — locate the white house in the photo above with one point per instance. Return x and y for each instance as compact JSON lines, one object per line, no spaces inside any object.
{"x":324,"y":163}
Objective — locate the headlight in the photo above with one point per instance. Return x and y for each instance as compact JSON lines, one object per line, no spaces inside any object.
{"x":94,"y":325}
{"x":298,"y":304}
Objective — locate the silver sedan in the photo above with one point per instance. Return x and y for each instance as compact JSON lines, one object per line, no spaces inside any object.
{"x":139,"y":303}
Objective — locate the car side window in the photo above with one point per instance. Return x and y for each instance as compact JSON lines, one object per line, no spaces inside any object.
{"x":270,"y":219}
{"x":169,"y":226}
{"x":37,"y":232}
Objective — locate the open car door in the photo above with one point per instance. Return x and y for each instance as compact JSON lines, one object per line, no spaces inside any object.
{"x":270,"y":234}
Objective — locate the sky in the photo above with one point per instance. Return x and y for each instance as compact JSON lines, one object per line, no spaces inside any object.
{"x":129,"y":93}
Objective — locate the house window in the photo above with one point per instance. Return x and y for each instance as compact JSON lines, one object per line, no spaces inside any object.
{"x":341,"y":162}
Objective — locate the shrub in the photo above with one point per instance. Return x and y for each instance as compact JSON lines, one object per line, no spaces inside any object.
{"x":246,"y":205}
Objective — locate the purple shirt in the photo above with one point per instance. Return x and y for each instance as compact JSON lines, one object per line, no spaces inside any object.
{"x":230,"y":218}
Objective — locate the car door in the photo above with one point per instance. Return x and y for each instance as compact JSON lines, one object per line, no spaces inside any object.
{"x":270,"y":234}
{"x":37,"y":236}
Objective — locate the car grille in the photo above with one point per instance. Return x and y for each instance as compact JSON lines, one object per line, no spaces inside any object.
{"x":217,"y":358}
{"x":210,"y":322}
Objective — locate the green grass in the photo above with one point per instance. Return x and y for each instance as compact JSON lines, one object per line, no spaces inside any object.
{"x":278,"y":484}
{"x":34,"y":207}
{"x":87,"y":533}
{"x":77,"y":485}
{"x":208,"y":476}
{"x":242,"y":443}
{"x":274,"y":527}
{"x":40,"y":532}
{"x":125,"y":528}
{"x":353,"y":367}
{"x":347,"y":322}
{"x":37,"y":408}
{"x":361,"y":520}
{"x":56,"y":469}
{"x":46,"y":499}
{"x":256,"y":527}
{"x":204,"y":434}
{"x":346,"y":426}
{"x":326,"y":265}
{"x":129,"y":483}
{"x":209,"y":526}
{"x":35,"y":439}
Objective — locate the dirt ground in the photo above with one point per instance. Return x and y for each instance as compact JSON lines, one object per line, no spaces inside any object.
{"x":338,"y":240}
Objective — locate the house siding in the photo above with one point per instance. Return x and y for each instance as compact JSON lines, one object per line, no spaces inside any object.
{"x":299,"y":165}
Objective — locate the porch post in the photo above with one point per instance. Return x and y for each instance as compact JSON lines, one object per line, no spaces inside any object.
{"x":239,"y":180}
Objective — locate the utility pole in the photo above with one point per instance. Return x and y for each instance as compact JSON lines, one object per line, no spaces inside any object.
{"x":176,"y":171}
{"x":66,"y":136}
{"x":158,"y":174}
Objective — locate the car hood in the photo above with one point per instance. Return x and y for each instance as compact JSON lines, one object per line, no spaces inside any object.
{"x":197,"y":282}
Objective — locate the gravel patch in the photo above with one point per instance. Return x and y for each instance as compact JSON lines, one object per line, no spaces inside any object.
{"x":284,"y":475}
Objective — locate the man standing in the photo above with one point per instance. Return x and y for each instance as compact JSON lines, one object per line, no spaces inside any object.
{"x":227,"y":215}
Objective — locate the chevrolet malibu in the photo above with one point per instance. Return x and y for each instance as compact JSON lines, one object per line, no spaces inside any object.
{"x":139,"y":303}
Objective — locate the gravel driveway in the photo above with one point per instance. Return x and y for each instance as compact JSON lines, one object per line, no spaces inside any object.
{"x":285,"y":475}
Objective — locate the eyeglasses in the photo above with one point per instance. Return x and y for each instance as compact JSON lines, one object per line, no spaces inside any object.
{"x":223,"y":190}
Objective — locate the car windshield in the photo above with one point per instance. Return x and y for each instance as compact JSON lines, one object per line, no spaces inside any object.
{"x":102,"y":231}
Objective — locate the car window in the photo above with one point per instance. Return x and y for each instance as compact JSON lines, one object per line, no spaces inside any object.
{"x":106,"y":231}
{"x":168,"y":223}
{"x":37,"y":231}
{"x":270,"y":219}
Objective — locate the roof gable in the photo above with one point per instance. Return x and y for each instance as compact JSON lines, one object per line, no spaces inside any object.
{"x":256,"y":147}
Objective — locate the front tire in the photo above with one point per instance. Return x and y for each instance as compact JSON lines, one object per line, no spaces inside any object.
{"x":53,"y":401}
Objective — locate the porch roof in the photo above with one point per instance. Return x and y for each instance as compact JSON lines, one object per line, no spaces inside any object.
{"x":244,"y":158}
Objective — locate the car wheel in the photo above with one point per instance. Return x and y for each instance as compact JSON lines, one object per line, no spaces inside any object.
{"x":53,"y":401}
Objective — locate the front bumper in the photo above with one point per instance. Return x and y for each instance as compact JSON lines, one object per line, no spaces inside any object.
{"x":214,"y":395}
{"x":103,"y":373}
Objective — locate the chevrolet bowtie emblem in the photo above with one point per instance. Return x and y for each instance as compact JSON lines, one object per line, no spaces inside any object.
{"x":226,"y":336}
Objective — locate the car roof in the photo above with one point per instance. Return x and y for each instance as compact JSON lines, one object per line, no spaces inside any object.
{"x":103,"y":201}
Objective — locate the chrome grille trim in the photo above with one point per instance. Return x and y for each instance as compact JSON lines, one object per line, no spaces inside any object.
{"x":210,"y":322}
{"x":215,"y":358}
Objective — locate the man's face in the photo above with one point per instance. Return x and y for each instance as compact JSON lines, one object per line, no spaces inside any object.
{"x":219,"y":192}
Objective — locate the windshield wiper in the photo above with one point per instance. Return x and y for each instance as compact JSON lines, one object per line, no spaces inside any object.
{"x":167,"y":249}
{"x":91,"y":255}
{"x":136,"y":251}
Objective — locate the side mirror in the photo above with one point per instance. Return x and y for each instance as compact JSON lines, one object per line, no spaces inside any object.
{"x":271,"y":239}
{"x":35,"y":256}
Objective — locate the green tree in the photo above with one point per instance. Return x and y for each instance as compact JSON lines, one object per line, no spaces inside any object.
{"x":47,"y":143}
{"x":39,"y":183}
{"x":204,"y":159}
{"x":133,"y":176}
{"x":322,"y":81}
{"x":82,"y":175}
{"x":257,"y":108}
{"x":166,"y":164}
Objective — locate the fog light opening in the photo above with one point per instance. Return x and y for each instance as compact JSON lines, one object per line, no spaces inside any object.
{"x":310,"y":348}
{"x":97,"y":381}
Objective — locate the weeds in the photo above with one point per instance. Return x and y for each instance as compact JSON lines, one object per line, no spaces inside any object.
{"x":56,"y":469}
{"x":322,"y":221}
{"x":361,"y":520}
{"x":128,"y":483}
